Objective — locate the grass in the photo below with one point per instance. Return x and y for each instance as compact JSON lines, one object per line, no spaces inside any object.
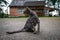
{"x":13,"y":18}
{"x":24,"y":18}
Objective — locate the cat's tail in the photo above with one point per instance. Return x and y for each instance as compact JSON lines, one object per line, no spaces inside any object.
{"x":15,"y":32}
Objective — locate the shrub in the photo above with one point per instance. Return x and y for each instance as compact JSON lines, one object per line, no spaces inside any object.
{"x":50,"y":15}
{"x":2,"y":15}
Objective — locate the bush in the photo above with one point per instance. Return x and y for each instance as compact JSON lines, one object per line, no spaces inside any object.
{"x":6,"y":15}
{"x":50,"y":15}
{"x":2,"y":15}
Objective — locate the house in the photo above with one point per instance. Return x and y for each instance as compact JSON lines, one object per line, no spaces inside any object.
{"x":17,"y":7}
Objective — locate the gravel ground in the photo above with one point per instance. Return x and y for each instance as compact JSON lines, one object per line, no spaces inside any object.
{"x":49,"y":29}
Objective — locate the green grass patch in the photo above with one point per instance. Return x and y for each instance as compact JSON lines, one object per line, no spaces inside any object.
{"x":24,"y":18}
{"x":13,"y":18}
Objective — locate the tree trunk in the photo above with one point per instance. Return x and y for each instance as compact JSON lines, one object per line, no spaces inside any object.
{"x":54,"y":6}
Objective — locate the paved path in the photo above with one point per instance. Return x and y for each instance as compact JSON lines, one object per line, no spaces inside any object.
{"x":49,"y":30}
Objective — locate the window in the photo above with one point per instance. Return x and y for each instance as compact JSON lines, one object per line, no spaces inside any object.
{"x":21,"y":11}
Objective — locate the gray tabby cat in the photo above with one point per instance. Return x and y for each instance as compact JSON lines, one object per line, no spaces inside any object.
{"x":31,"y":22}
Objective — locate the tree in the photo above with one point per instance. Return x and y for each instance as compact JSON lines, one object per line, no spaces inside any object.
{"x":58,"y":1}
{"x":53,"y":2}
{"x":1,"y":11}
{"x":3,"y":1}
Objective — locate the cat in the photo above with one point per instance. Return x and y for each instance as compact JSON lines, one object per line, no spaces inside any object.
{"x":31,"y":22}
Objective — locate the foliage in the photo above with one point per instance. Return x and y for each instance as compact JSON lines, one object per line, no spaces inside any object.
{"x":3,"y":1}
{"x":53,"y":1}
{"x":50,"y":15}
{"x":2,"y":15}
{"x":1,"y":11}
{"x":6,"y":15}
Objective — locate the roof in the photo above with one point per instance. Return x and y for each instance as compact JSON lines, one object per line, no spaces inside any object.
{"x":27,"y":3}
{"x":35,"y":3}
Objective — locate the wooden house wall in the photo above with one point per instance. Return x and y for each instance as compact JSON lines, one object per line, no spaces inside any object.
{"x":14,"y":11}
